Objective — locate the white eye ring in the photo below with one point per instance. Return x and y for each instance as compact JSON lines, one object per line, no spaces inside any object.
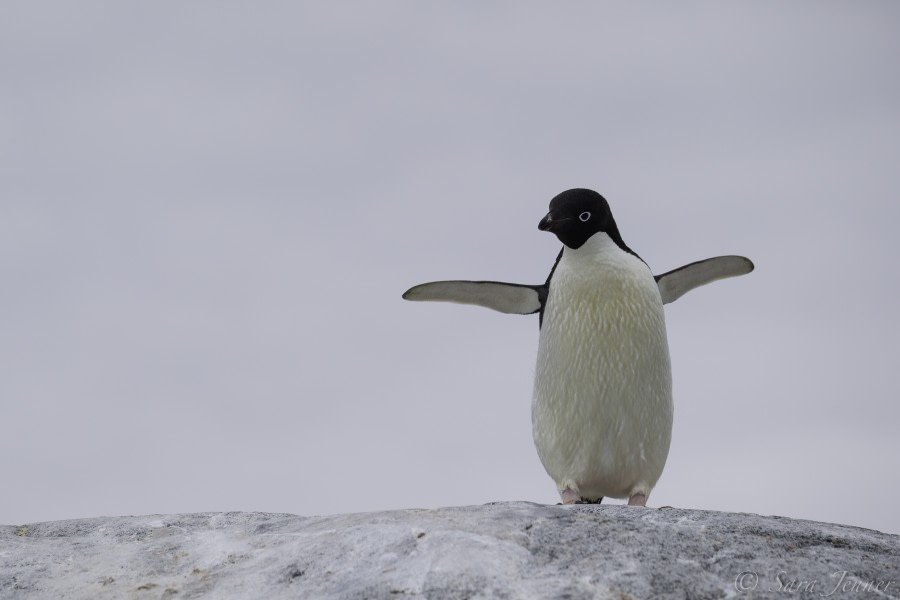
{"x":583,"y":217}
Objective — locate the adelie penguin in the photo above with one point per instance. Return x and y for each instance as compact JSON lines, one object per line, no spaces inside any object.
{"x":602,"y":404}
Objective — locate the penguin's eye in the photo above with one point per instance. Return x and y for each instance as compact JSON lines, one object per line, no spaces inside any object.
{"x":583,"y":217}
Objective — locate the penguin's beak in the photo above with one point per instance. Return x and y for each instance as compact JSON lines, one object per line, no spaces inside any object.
{"x":549,"y":223}
{"x":545,"y":223}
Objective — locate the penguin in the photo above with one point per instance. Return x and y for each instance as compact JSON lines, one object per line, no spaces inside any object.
{"x":602,"y":403}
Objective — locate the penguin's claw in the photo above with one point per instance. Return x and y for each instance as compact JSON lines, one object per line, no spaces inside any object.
{"x":637,"y":499}
{"x":570,"y":496}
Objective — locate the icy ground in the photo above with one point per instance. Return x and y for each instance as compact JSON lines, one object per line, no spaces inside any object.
{"x":502,"y":550}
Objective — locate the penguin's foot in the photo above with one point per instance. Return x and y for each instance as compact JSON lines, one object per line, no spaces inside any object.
{"x":637,"y":499}
{"x":589,"y":501}
{"x":570,"y":496}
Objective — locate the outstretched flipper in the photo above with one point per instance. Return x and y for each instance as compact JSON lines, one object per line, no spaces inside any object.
{"x":676,"y":283}
{"x":521,"y":299}
{"x":510,"y":298}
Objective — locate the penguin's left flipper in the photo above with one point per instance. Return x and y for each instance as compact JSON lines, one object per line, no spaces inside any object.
{"x":678,"y":282}
{"x":509,"y":298}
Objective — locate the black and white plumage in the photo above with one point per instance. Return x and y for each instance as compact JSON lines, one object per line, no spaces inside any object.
{"x":602,"y":403}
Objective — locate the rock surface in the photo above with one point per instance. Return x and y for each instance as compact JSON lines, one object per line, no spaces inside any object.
{"x":502,"y":550}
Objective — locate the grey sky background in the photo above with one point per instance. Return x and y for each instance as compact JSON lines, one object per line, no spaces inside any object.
{"x":208,"y":213}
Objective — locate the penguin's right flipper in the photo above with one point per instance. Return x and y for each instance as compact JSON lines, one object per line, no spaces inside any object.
{"x":676,"y":283}
{"x":510,"y":298}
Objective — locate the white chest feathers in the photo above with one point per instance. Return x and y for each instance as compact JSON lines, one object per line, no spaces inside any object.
{"x":602,"y":407}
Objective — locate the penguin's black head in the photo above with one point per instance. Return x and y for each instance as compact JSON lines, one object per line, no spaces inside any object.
{"x":576,"y":215}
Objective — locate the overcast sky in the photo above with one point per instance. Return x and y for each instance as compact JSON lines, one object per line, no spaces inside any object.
{"x":208,"y":214}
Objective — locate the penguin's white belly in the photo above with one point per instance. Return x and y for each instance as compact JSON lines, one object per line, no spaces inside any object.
{"x":602,"y":407}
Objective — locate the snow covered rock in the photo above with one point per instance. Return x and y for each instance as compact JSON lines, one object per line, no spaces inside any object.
{"x":502,"y":550}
